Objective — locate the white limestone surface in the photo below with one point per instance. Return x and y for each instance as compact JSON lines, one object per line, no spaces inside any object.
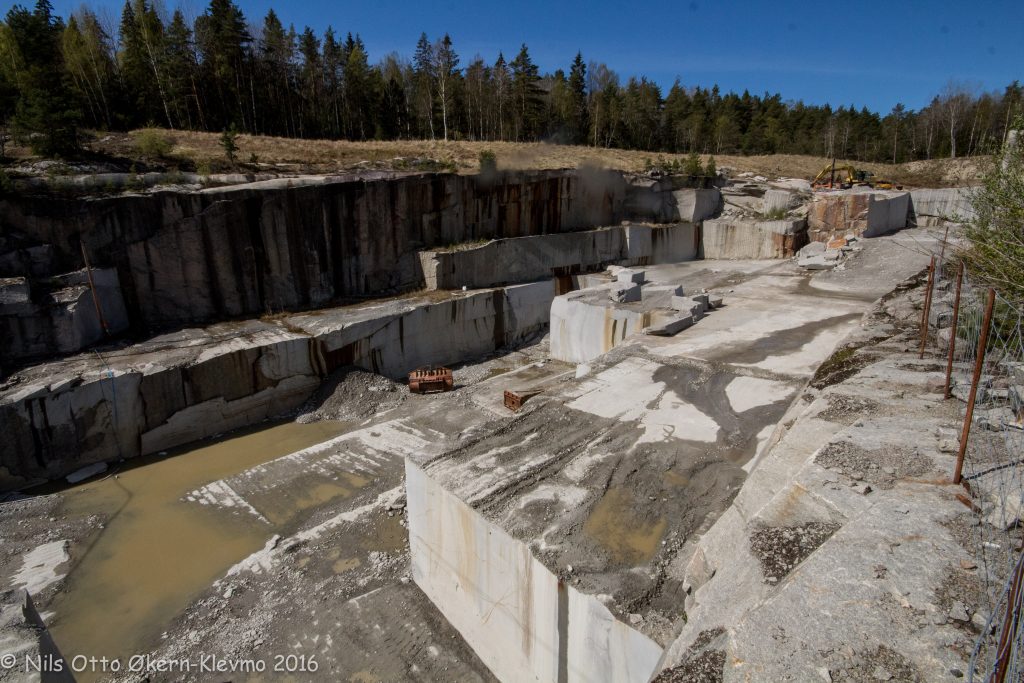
{"x":519,"y":618}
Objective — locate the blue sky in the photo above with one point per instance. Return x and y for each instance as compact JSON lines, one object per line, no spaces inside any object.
{"x":863,"y":53}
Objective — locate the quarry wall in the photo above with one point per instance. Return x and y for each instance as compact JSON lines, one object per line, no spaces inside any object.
{"x":523,"y":622}
{"x":505,"y":261}
{"x":179,"y":388}
{"x":194,"y":257}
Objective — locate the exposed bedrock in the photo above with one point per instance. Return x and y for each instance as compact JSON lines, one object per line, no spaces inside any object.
{"x":933,"y":206}
{"x":663,"y":200}
{"x":194,"y":257}
{"x":862,"y":213}
{"x":184,"y":386}
{"x":746,"y":239}
{"x":537,"y":626}
{"x":523,"y":259}
{"x":61,"y":314}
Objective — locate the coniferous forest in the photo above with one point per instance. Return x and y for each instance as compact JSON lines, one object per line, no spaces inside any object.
{"x":224,"y":71}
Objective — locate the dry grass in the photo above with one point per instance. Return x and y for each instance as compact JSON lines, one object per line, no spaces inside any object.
{"x":323,"y":156}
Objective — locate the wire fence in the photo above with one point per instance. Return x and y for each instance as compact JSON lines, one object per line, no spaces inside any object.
{"x":980,"y":336}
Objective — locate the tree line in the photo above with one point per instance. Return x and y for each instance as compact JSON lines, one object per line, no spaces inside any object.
{"x":223,"y":71}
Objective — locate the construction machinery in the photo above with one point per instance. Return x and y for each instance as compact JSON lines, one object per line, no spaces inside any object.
{"x":834,"y":177}
{"x":429,"y":380}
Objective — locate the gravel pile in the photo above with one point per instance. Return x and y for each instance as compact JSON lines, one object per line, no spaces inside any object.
{"x":351,"y":393}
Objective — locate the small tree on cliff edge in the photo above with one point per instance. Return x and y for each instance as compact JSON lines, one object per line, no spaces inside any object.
{"x":228,"y":141}
{"x":995,"y":253}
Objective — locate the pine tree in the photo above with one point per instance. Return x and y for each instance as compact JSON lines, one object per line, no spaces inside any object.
{"x":222,"y":38}
{"x":182,"y":71}
{"x":526,"y":95}
{"x":46,"y":114}
{"x":578,"y":93}
{"x":424,"y":69}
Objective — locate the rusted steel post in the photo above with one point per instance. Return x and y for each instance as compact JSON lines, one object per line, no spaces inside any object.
{"x":952,"y":332}
{"x":927,"y":307}
{"x":1011,"y":621}
{"x":945,"y":236}
{"x":92,"y":287}
{"x":979,"y":364}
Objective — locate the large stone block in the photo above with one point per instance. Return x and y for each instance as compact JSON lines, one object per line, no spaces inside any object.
{"x":862,"y":213}
{"x":744,"y":239}
{"x":932,"y":206}
{"x":696,"y":205}
{"x":520,"y":619}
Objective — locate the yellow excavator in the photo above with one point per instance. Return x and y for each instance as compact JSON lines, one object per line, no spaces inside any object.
{"x":844,"y":177}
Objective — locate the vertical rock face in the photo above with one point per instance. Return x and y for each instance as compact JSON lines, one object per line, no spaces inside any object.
{"x":196,"y":257}
{"x":867,"y":214}
{"x":192,"y":384}
{"x":59,"y":315}
{"x":739,"y":239}
{"x":933,"y":206}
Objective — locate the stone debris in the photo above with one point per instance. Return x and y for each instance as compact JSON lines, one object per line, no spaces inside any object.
{"x":959,"y":612}
{"x":826,"y":256}
{"x":781,"y":549}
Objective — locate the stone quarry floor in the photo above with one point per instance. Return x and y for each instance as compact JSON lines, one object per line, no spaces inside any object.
{"x":615,"y":471}
{"x":848,"y":554}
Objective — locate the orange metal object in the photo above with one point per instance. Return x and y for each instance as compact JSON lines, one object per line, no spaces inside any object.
{"x":430,"y":380}
{"x":514,"y":400}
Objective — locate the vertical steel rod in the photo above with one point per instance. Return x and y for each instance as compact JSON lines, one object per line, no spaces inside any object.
{"x":979,"y":363}
{"x":92,"y":286}
{"x":1010,"y":625}
{"x":927,"y":307}
{"x":952,"y":333}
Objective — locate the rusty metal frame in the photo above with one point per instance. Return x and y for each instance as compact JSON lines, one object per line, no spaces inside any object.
{"x":979,"y":364}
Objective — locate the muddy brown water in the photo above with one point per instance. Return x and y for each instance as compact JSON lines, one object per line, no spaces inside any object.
{"x":157,"y":552}
{"x":629,"y":538}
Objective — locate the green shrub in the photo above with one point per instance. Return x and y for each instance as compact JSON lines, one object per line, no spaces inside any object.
{"x":229,"y":143}
{"x":995,"y":250}
{"x":711,"y":170}
{"x":692,"y":166}
{"x":488,"y":161}
{"x":153,"y":143}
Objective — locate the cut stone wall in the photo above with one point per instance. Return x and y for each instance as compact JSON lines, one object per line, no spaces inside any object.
{"x":196,"y":257}
{"x":742,"y":239}
{"x":857,"y":212}
{"x":662,"y":200}
{"x":520,"y":619}
{"x":524,"y":259}
{"x":60,"y":316}
{"x":186,"y":386}
{"x":932,"y":207}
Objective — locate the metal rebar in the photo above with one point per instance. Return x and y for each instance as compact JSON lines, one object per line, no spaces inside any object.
{"x":1010,"y":623}
{"x":927,"y":307}
{"x":92,"y":287}
{"x":952,"y":332}
{"x":979,"y":363}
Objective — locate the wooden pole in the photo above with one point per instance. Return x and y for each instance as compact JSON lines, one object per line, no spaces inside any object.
{"x":979,"y":364}
{"x":927,"y":307}
{"x":952,"y":333}
{"x":92,"y":286}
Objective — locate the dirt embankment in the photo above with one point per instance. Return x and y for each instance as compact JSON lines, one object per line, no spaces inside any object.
{"x":203,"y":152}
